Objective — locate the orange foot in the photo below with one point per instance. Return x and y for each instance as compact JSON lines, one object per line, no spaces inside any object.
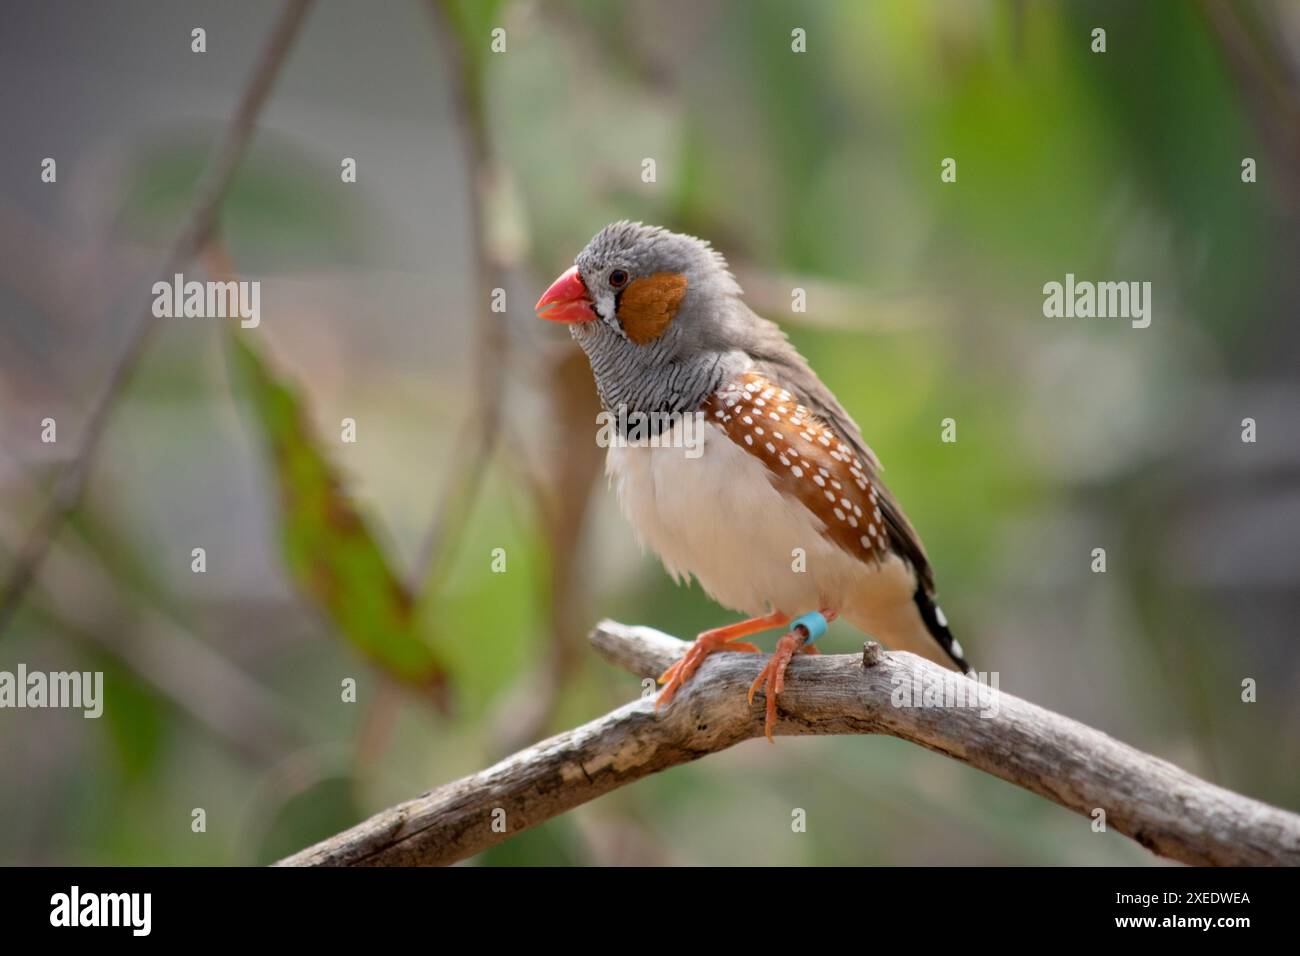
{"x":772,"y":677}
{"x":718,"y":639}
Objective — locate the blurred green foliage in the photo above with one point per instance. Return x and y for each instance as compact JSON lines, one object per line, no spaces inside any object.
{"x":280,"y":213}
{"x":819,"y":170}
{"x":328,"y":548}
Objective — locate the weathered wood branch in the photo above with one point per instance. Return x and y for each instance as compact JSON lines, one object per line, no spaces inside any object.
{"x":1166,"y":809}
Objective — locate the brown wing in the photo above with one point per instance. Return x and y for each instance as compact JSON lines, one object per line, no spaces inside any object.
{"x":778,"y":361}
{"x":807,"y":459}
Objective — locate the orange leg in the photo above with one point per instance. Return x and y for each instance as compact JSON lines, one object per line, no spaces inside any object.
{"x":772,"y":678}
{"x":717,"y":639}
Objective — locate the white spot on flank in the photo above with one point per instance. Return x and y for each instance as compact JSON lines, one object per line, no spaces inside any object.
{"x":749,"y":439}
{"x":820,"y":480}
{"x":943,"y":621}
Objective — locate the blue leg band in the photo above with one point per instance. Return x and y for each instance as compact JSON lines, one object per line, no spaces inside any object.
{"x":813,"y":622}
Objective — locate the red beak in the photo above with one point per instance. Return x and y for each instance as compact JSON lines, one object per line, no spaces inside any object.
{"x":566,"y":300}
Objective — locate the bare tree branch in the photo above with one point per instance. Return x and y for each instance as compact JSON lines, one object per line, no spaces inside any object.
{"x":71,"y":482}
{"x":1167,"y":810}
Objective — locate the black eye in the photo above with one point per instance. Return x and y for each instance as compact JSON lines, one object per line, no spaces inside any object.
{"x":618,"y":278}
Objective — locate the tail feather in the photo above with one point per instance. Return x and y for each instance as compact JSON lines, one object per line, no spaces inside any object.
{"x":937,"y":625}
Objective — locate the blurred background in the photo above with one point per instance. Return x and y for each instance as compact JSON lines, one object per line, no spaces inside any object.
{"x":374,"y":560}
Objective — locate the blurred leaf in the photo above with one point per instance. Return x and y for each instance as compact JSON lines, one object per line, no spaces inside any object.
{"x":136,"y":722}
{"x":473,"y":21}
{"x":328,"y":549}
{"x":502,"y":612}
{"x":282,"y":207}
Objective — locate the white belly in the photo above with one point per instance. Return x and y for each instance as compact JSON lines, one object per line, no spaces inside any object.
{"x":718,"y":518}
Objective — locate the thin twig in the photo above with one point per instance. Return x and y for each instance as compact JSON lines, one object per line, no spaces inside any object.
{"x":71,"y":482}
{"x":1167,"y":810}
{"x":480,"y":431}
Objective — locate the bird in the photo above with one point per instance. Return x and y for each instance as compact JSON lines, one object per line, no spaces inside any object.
{"x":780,"y":514}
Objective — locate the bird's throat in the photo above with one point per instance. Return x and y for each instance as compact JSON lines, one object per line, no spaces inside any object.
{"x":649,"y":379}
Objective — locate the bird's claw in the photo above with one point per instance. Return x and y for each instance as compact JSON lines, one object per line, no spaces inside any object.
{"x":772,"y":677}
{"x":682,"y":669}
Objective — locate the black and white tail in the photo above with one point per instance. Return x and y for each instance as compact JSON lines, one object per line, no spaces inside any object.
{"x":937,"y":625}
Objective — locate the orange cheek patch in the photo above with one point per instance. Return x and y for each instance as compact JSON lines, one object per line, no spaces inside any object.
{"x":648,"y":305}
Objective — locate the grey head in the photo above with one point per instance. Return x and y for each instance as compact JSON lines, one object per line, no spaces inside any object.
{"x":658,"y":314}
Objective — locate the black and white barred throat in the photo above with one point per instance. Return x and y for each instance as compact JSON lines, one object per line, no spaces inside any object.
{"x":648,"y":379}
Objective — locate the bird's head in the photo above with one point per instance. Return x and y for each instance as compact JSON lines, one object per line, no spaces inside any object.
{"x":645,"y":303}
